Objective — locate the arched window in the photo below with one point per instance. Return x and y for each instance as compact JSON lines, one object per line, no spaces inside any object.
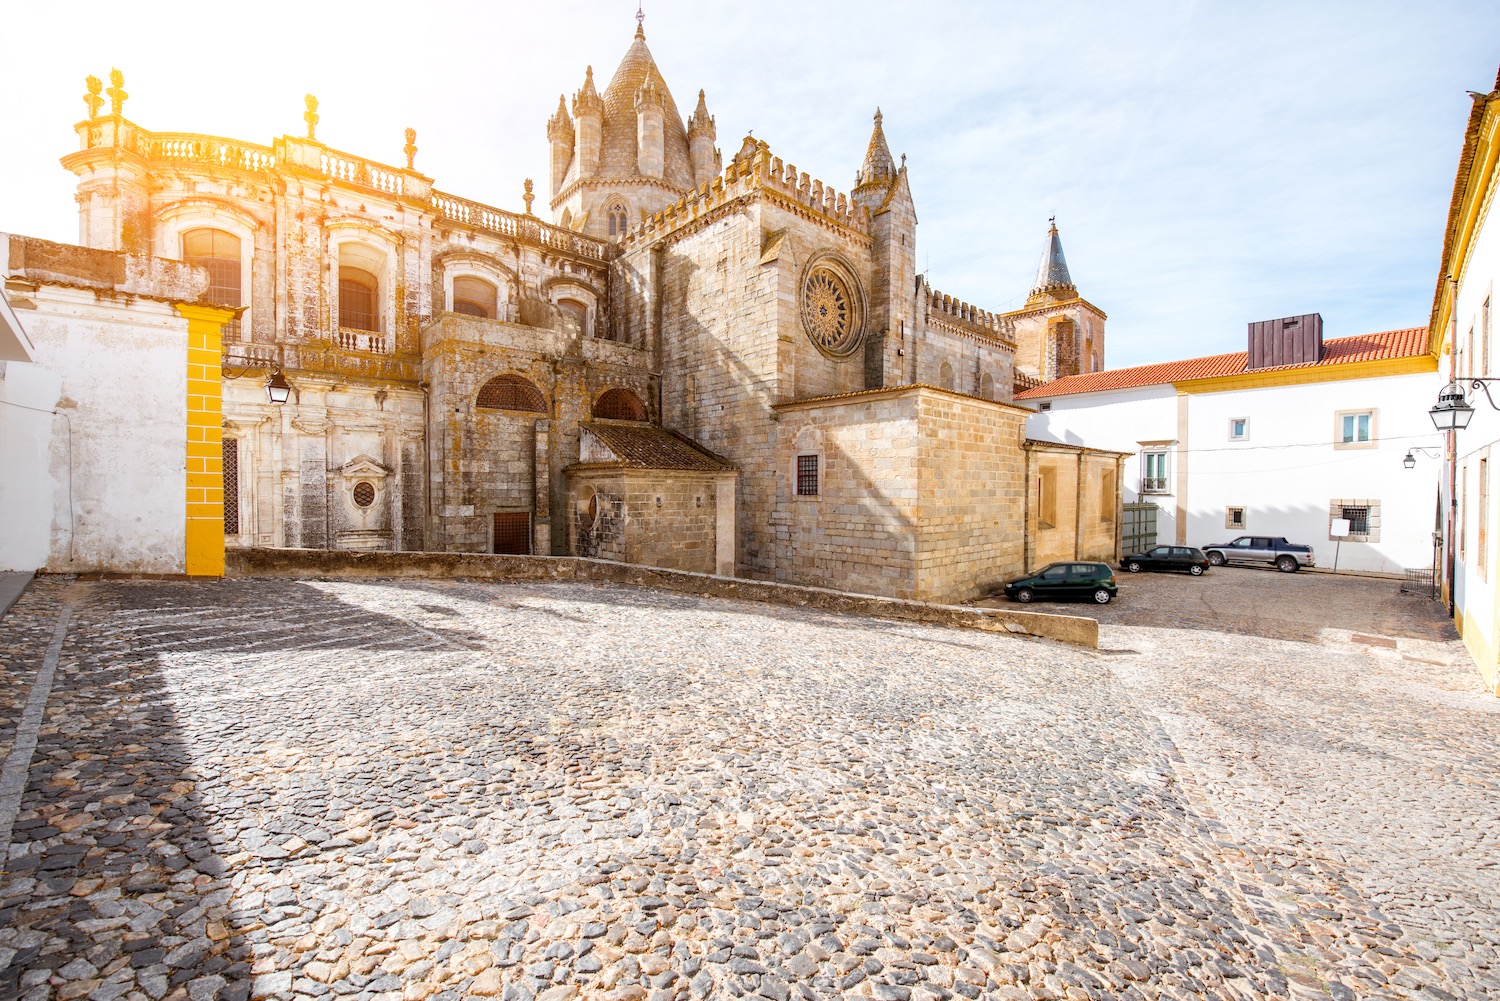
{"x":357,"y":299}
{"x":474,"y":297}
{"x":511,"y":392}
{"x":218,"y":253}
{"x":575,"y":316}
{"x":945,"y":376}
{"x":619,"y":220}
{"x":619,"y":405}
{"x":987,"y":386}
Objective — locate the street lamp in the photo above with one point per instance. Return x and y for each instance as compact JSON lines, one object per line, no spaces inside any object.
{"x":278,"y":390}
{"x":1452,"y":411}
{"x":1410,"y":460}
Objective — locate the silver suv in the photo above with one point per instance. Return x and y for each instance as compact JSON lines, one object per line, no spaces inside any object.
{"x":1271,"y":550}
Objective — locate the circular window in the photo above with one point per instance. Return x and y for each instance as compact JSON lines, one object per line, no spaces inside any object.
{"x":364,"y":493}
{"x":829,"y":313}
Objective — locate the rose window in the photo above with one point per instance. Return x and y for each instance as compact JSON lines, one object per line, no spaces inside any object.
{"x":828,"y":313}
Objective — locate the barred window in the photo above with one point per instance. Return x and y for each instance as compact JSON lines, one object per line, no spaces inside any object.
{"x":1358,"y":518}
{"x":512,"y":530}
{"x":511,"y":392}
{"x":231,"y":486}
{"x":619,"y":405}
{"x":807,"y":476}
{"x":218,"y":253}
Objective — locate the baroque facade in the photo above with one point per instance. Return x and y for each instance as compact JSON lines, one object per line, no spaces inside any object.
{"x":698,"y":364}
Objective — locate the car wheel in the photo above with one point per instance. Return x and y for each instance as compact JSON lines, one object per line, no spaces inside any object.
{"x":1286,"y":564}
{"x":1101,"y":597}
{"x":1196,"y":570}
{"x":1025,"y":595}
{"x":1217,"y":559}
{"x":1133,"y":567}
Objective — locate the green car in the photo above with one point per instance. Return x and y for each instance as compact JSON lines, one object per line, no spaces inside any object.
{"x":1094,"y":581}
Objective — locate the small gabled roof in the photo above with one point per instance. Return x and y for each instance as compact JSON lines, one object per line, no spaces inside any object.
{"x":1383,"y":346}
{"x":646,"y":446}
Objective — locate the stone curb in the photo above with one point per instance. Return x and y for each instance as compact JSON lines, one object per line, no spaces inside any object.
{"x":302,"y":563}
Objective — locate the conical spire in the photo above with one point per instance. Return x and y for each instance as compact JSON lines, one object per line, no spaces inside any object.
{"x":879,"y":166}
{"x":1053,"y":272}
{"x":587,"y":100}
{"x":560,"y":126}
{"x":701,"y":122}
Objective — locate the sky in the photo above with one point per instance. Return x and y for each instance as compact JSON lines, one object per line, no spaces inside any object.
{"x":1209,"y":164}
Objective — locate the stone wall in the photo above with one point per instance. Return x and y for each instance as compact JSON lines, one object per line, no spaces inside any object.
{"x":653,"y":517}
{"x":971,"y":483}
{"x":1069,"y":491}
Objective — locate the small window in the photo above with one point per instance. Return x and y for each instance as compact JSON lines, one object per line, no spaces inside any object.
{"x":807,"y":476}
{"x":1239,"y":428}
{"x":474,"y":297}
{"x":618,"y":220}
{"x":1355,"y":429}
{"x":1234,"y":517}
{"x":945,"y":376}
{"x":1358,"y":519}
{"x":511,"y":392}
{"x":1154,"y":472}
{"x":1044,"y":407}
{"x":357,"y":297}
{"x":512,"y":531}
{"x":987,"y":386}
{"x":364,"y":493}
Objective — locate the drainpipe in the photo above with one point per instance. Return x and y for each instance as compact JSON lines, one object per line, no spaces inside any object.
{"x":1452,"y":449}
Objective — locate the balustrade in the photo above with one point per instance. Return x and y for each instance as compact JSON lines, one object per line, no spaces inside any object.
{"x":361,"y":340}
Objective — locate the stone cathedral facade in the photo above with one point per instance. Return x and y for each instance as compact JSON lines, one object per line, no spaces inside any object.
{"x":704,"y":364}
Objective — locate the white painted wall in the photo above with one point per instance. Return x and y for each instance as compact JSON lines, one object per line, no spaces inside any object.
{"x":1476,"y":598}
{"x":1286,"y":471}
{"x":112,"y":495}
{"x":1120,"y":421}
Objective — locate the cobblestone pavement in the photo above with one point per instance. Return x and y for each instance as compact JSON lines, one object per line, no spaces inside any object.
{"x":439,"y":790}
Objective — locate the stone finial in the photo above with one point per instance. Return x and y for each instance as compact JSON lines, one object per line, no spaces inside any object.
{"x":116,"y":92}
{"x":310,"y":116}
{"x":92,"y":100}
{"x":411,"y":148}
{"x":587,"y":101}
{"x":640,"y":21}
{"x":528,"y":197}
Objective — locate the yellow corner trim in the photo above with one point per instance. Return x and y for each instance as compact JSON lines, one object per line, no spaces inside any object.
{"x":216,"y":315}
{"x":1410,"y":365}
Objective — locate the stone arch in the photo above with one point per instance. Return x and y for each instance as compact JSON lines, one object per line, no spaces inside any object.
{"x":945,"y":376}
{"x":511,"y":392}
{"x":620,"y":404}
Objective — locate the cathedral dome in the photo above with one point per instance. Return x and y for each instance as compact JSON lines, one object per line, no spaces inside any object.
{"x":619,"y":146}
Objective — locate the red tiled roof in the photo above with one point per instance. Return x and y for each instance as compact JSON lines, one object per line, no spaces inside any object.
{"x":1336,"y":351}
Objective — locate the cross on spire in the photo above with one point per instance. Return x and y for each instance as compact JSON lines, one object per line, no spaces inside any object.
{"x":640,"y":20}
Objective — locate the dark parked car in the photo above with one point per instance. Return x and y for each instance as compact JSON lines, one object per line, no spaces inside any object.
{"x":1168,"y":558}
{"x":1268,"y":549}
{"x":1093,"y":581}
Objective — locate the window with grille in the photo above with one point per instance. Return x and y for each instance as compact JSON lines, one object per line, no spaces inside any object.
{"x":231,"y":486}
{"x":511,"y":392}
{"x":364,"y":493}
{"x":513,"y":533}
{"x":474,"y":297}
{"x":1358,"y":519}
{"x":357,"y":289}
{"x":619,"y":405}
{"x":1234,"y":517}
{"x":807,"y":476}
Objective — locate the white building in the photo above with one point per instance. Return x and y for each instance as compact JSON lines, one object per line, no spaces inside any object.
{"x":1278,"y":440}
{"x":1463,"y":320}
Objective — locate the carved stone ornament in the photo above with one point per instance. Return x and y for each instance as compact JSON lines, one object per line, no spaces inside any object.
{"x":362,"y":467}
{"x":830,"y":313}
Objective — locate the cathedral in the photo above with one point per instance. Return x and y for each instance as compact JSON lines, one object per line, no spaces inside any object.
{"x":723,"y":366}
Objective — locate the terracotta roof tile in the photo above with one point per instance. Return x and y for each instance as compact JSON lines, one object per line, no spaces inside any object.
{"x":1336,"y":351}
{"x":645,"y":446}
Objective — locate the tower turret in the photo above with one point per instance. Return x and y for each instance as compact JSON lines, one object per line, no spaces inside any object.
{"x":1052,"y":278}
{"x":588,"y":111}
{"x":650,"y":131}
{"x":701,"y":135}
{"x":881,"y":188}
{"x":561,"y":134}
{"x":879,"y":168}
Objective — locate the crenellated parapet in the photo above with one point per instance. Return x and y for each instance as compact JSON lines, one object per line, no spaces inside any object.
{"x":962,"y":317}
{"x":755,"y":171}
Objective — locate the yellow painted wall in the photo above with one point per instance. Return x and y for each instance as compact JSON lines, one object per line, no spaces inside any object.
{"x":205,"y":450}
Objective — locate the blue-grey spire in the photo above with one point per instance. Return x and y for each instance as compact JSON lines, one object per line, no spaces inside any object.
{"x":1053,"y":272}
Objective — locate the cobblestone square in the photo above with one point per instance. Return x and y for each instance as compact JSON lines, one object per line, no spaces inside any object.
{"x":256,"y":788}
